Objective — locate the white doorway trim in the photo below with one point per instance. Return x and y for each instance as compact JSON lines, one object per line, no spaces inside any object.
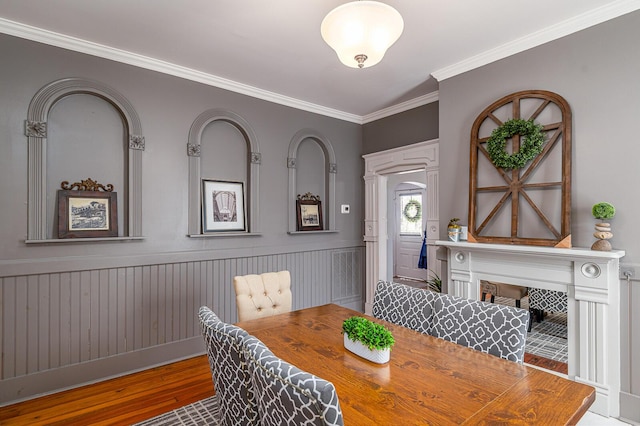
{"x":419,"y":156}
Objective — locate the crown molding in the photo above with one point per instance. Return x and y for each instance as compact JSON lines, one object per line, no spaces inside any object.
{"x":90,"y":48}
{"x":586,"y":20}
{"x":554,"y":32}
{"x":401,"y":107}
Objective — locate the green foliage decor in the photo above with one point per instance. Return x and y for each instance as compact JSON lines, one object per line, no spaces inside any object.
{"x":603,"y":211}
{"x":530,"y":147}
{"x":434,"y":282}
{"x":369,"y":333}
{"x":414,"y":207}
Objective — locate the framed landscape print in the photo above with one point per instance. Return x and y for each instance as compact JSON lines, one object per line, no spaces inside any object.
{"x":223,"y":206}
{"x":309,"y":212}
{"x":87,"y":214}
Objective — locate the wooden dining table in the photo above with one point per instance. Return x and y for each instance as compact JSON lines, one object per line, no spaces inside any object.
{"x":428,"y":381}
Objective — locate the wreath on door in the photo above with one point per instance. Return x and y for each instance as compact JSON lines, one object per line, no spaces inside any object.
{"x":412,"y":211}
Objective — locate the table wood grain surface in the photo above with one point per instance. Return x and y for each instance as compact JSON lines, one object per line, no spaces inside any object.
{"x":427,"y":381}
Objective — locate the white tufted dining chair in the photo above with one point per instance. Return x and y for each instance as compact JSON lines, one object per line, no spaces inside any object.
{"x":262,"y":295}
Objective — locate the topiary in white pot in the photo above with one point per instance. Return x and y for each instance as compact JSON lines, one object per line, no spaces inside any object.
{"x":367,"y":339}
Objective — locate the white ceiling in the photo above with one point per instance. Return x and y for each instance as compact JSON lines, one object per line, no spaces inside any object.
{"x":272,"y":49}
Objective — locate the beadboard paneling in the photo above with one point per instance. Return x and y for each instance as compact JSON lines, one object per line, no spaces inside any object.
{"x":630,"y":348}
{"x":61,"y":319}
{"x":630,"y":321}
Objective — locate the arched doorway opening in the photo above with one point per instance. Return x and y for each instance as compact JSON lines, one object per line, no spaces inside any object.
{"x":379,"y":167}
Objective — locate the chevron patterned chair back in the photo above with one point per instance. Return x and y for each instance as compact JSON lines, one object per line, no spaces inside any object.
{"x":287,"y":395}
{"x":231,"y":379}
{"x":495,"y":329}
{"x":404,"y":305}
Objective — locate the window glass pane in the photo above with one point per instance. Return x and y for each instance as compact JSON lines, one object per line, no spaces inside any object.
{"x":411,"y":214}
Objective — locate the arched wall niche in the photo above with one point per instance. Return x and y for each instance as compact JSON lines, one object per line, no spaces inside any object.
{"x":330,"y":170}
{"x":85,"y":138}
{"x":254,"y":159}
{"x":36,"y":132}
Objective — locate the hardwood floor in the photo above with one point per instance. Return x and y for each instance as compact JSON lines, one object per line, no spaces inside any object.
{"x":136,"y":397}
{"x":121,"y":401}
{"x":549,"y":364}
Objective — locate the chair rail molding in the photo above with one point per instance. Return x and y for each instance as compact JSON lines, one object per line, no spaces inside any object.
{"x":36,"y":132}
{"x":590,"y":279}
{"x":419,"y":156}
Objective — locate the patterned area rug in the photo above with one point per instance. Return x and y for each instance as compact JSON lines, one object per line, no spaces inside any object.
{"x":200,"y":413}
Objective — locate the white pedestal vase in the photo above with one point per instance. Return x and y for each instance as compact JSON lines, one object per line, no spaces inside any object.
{"x":379,"y":356}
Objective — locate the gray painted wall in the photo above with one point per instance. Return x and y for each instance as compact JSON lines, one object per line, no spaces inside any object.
{"x":64,"y":305}
{"x":412,"y":126}
{"x":167,"y":106}
{"x":597,"y":71}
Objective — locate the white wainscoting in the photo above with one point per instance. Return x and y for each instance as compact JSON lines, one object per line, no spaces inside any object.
{"x":630,"y":345}
{"x":62,"y":329}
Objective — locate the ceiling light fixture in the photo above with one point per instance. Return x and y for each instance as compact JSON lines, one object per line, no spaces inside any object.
{"x":361,"y":32}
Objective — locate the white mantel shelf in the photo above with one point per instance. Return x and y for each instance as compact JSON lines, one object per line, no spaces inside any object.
{"x":590,"y":279}
{"x":573,"y":253}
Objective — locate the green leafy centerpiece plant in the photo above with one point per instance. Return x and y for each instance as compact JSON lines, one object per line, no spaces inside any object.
{"x":367,"y":339}
{"x":603,"y":211}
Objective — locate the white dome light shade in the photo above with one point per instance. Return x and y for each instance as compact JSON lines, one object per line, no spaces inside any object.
{"x":361,"y":32}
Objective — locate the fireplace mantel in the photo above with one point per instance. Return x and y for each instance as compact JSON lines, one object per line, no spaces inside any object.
{"x":590,"y":279}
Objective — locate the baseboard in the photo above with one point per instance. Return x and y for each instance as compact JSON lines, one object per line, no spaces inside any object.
{"x":50,"y":381}
{"x":630,"y":408}
{"x":354,"y":303}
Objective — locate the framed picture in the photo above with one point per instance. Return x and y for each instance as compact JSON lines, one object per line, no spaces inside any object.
{"x":223,"y":206}
{"x":87,"y":214}
{"x":309,"y":213}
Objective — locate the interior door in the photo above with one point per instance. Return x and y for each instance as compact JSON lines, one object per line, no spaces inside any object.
{"x":409,"y":232}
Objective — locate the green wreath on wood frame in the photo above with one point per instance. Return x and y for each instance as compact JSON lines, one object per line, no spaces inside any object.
{"x":412,"y":211}
{"x":531,"y":146}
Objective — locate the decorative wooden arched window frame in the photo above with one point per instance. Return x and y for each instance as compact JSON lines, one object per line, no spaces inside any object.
{"x":36,"y":132}
{"x":515,"y":185}
{"x":254,"y":159}
{"x":330,"y":168}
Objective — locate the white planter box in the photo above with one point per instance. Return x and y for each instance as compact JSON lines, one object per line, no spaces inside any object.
{"x":379,"y":356}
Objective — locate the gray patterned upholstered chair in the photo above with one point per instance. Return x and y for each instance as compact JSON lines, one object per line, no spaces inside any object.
{"x":287,"y":395}
{"x":404,"y":305}
{"x":495,"y":329}
{"x":231,"y":379}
